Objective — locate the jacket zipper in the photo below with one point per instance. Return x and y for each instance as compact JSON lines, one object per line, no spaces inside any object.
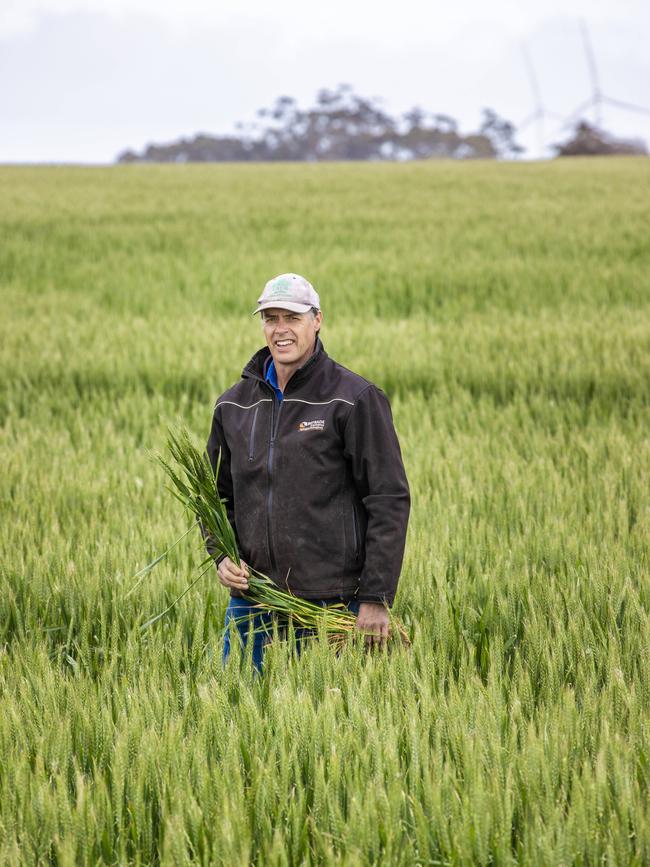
{"x":251,"y":446}
{"x":269,"y":498}
{"x":275,"y":421}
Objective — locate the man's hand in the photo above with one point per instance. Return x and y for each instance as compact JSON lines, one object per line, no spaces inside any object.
{"x":231,"y":576}
{"x":373,"y":621}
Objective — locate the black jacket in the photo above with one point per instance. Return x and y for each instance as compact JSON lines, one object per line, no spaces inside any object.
{"x":315,"y":485}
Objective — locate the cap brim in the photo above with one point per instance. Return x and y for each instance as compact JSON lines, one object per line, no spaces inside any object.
{"x":283,"y":305}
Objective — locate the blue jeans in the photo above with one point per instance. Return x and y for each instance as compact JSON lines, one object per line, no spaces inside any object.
{"x":246,"y":615}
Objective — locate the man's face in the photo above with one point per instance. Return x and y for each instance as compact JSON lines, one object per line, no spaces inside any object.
{"x":290,"y":336}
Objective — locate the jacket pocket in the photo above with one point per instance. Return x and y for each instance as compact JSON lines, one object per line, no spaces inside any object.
{"x":251,"y":439}
{"x":356,"y":537}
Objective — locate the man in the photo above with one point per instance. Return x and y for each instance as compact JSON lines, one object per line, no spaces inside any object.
{"x":311,"y":471}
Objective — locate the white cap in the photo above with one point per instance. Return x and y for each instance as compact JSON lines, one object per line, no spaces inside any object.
{"x":289,"y":292}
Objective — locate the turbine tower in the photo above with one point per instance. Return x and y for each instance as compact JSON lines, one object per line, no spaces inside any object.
{"x":539,"y":112}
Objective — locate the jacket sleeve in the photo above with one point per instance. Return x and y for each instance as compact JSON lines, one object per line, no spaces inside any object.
{"x":216,"y":444}
{"x":372,"y":447}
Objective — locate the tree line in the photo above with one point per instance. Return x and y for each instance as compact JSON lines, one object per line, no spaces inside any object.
{"x":345,"y":126}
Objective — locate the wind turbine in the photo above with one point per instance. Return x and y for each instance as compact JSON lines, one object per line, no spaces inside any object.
{"x":539,"y":112}
{"x":597,"y":98}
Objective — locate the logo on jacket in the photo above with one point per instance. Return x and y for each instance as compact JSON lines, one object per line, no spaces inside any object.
{"x":316,"y":424}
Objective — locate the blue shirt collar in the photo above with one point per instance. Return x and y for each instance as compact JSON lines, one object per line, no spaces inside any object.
{"x":271,"y":377}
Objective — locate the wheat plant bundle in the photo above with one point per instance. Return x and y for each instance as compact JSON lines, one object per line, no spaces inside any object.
{"x":194,"y":485}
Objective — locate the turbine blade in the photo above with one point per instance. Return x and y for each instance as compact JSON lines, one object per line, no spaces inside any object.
{"x":629,"y":106}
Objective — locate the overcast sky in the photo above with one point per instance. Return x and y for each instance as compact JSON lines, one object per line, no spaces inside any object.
{"x":84,"y":79}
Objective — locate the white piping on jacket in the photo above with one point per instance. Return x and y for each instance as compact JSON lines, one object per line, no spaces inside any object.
{"x":232,"y":403}
{"x":317,"y":402}
{"x":288,"y":400}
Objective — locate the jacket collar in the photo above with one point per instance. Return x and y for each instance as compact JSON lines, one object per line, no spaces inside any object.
{"x":256,"y":367}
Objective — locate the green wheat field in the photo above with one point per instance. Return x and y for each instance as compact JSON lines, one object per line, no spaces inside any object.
{"x":505,"y":310}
